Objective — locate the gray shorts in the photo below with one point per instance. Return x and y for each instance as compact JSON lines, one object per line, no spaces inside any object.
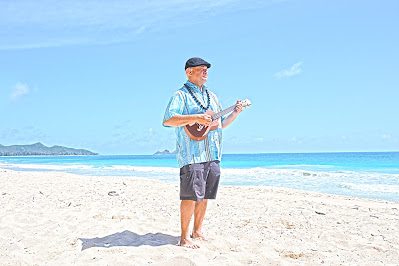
{"x":199,"y":181}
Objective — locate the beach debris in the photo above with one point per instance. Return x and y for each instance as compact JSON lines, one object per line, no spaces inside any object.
{"x":73,"y":242}
{"x":291,"y":254}
{"x":294,"y":256}
{"x":113,"y":193}
{"x":320,"y":213}
{"x":237,"y":249}
{"x":121,"y":217}
{"x":114,"y":217}
{"x":288,"y":225}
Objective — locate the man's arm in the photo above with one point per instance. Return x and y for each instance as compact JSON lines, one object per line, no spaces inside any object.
{"x":182,"y":120}
{"x":227,"y":121}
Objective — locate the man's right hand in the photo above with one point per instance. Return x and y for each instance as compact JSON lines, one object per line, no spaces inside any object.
{"x":204,"y":119}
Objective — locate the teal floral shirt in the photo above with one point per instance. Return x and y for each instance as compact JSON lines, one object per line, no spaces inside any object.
{"x":190,"y":151}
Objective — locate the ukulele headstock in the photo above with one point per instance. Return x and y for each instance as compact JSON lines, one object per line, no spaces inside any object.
{"x":246,"y":103}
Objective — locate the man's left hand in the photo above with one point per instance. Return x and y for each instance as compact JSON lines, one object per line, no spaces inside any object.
{"x":238,"y":108}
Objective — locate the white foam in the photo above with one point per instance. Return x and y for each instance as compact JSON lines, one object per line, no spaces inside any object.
{"x":372,"y":187}
{"x":257,"y":173}
{"x":47,"y":166}
{"x":294,"y":178}
{"x":142,"y":169}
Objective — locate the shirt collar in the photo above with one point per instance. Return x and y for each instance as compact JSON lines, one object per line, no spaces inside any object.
{"x":195,"y":87}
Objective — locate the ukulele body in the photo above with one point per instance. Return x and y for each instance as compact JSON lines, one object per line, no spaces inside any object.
{"x":199,"y":132}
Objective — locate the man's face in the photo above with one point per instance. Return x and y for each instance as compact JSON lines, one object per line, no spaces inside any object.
{"x":199,"y":75}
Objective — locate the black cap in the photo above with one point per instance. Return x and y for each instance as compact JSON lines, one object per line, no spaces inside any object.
{"x":196,"y":61}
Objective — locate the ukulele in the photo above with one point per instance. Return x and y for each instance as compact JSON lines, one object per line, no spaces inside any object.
{"x":198,"y":132}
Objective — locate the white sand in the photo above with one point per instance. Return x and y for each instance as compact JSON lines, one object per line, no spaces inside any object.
{"x":62,"y":219}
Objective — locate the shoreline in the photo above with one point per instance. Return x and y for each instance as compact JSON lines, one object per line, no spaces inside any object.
{"x":66,"y":219}
{"x":71,"y":155}
{"x":350,"y":183}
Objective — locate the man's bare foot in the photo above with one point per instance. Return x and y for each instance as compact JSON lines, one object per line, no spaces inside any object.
{"x":199,"y":235}
{"x":187,"y":243}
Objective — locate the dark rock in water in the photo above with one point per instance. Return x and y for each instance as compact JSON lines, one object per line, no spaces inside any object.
{"x":38,"y":149}
{"x":165,"y":152}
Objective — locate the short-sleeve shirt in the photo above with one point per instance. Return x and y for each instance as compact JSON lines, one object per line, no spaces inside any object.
{"x":190,"y":151}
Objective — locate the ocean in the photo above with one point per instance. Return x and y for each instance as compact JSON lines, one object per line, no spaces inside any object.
{"x":360,"y":174}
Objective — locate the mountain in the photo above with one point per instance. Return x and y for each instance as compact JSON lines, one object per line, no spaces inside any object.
{"x":40,"y":149}
{"x":165,"y":152}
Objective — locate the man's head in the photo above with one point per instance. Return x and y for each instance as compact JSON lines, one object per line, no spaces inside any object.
{"x":197,"y":70}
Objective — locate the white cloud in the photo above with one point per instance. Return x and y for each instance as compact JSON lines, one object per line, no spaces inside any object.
{"x":295,"y":69}
{"x":46,"y":23}
{"x":386,"y":136}
{"x":295,"y":140}
{"x":19,"y":90}
{"x":128,"y":138}
{"x":25,"y":135}
{"x":389,"y":138}
{"x":260,"y":139}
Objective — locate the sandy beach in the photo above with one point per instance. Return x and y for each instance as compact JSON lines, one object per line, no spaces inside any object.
{"x":54,"y":218}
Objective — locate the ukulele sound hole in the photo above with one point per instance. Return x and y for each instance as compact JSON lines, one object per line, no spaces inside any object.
{"x":200,"y":127}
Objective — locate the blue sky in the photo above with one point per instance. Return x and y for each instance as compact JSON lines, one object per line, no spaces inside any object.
{"x":322,"y":76}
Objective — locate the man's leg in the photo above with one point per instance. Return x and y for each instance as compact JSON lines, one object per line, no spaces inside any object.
{"x":212,"y":173}
{"x":186,"y":212}
{"x":199,"y":214}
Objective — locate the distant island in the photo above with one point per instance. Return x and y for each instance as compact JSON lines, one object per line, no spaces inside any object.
{"x":165,"y":152}
{"x":38,"y":149}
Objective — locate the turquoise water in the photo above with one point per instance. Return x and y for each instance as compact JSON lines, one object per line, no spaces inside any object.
{"x":367,"y":175}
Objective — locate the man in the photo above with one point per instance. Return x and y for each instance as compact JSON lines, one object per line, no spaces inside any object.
{"x":198,"y":160}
